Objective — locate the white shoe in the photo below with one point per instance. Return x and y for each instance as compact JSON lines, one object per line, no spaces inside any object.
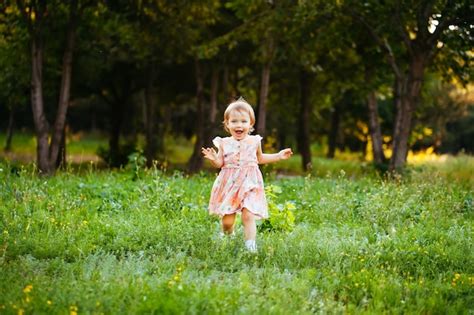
{"x":251,"y":246}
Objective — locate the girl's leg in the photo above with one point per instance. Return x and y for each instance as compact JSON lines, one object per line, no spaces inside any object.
{"x":228,"y":223}
{"x":250,"y":228}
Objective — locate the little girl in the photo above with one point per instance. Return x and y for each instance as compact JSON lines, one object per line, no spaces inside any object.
{"x":239,"y":186}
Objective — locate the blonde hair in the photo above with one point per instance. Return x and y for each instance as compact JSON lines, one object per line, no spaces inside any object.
{"x":239,"y":105}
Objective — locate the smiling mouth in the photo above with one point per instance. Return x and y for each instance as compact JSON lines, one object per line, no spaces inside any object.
{"x":239,"y":132}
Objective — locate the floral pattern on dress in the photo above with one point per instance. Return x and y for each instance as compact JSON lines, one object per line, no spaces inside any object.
{"x":239,"y":183}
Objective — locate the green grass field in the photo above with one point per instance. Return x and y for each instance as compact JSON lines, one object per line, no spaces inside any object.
{"x":141,"y":241}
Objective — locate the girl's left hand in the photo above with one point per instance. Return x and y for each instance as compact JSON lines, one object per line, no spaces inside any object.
{"x":285,"y":154}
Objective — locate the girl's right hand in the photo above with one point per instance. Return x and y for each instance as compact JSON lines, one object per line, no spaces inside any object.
{"x":210,"y":154}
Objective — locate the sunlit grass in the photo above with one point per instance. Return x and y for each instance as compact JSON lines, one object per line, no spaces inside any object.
{"x":424,"y":156}
{"x":80,"y":147}
{"x":21,"y":142}
{"x":85,"y":143}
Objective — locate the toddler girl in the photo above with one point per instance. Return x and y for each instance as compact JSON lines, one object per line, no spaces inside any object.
{"x":239,"y":186}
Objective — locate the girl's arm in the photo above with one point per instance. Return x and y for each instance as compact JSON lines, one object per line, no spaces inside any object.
{"x":264,"y":158}
{"x":216,"y":158}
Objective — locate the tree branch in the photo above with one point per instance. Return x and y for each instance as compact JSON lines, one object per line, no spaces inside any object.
{"x":383,"y":43}
{"x":442,"y":26}
{"x":402,"y":30}
{"x":423,"y":17}
{"x":452,"y":14}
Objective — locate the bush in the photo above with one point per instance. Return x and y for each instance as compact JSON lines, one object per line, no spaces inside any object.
{"x":281,"y":217}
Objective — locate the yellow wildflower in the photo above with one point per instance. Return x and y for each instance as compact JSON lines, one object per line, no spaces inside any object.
{"x":28,"y":288}
{"x":73,"y":310}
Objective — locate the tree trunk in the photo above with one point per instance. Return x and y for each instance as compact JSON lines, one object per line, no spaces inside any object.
{"x":196,"y":160}
{"x":264,"y":88}
{"x":37,"y":106}
{"x":408,"y":91}
{"x":304,"y":121}
{"x":262,"y":106}
{"x":118,"y":98}
{"x":150,"y":116}
{"x":214,"y":89}
{"x":47,"y":154}
{"x":235,"y":85}
{"x":401,"y":133}
{"x":225,"y":85}
{"x":374,"y":129}
{"x":332,"y":141}
{"x":65,"y":90}
{"x":61,"y":160}
{"x":8,"y":142}
{"x":116,"y":117}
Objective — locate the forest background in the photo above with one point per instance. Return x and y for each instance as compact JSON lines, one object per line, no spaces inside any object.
{"x":375,"y":80}
{"x":116,"y":99}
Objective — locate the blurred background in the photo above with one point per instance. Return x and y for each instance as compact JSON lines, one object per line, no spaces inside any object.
{"x":383,"y":82}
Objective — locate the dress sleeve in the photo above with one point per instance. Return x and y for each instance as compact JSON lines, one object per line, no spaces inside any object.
{"x":217,"y":141}
{"x":258,"y":138}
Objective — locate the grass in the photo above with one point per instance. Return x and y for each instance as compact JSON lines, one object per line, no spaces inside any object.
{"x":78,"y":143}
{"x":80,"y":148}
{"x":140,"y":241}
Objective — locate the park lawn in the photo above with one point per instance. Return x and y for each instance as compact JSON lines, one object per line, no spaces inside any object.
{"x":136,"y":241}
{"x":79,"y":143}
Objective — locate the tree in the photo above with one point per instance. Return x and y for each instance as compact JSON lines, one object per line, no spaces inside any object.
{"x":442,"y":105}
{"x":421,"y":30}
{"x":262,"y":22}
{"x":36,"y":14}
{"x":169,"y":30}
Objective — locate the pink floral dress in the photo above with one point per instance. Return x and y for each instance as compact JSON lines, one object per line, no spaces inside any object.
{"x":240,"y":183}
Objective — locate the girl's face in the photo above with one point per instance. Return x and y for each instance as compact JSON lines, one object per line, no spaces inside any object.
{"x":239,"y":124}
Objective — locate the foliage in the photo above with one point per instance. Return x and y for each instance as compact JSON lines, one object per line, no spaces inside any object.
{"x":118,"y":42}
{"x":14,"y":75}
{"x":119,"y":158}
{"x":281,"y":215}
{"x":136,"y":163}
{"x":101,"y":242}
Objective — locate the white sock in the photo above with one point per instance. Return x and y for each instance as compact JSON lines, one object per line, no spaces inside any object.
{"x":222,"y":234}
{"x":251,"y":246}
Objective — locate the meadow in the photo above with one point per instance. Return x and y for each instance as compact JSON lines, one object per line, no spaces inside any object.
{"x":141,"y":241}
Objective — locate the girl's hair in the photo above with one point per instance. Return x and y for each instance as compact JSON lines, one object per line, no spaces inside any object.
{"x":239,"y":105}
